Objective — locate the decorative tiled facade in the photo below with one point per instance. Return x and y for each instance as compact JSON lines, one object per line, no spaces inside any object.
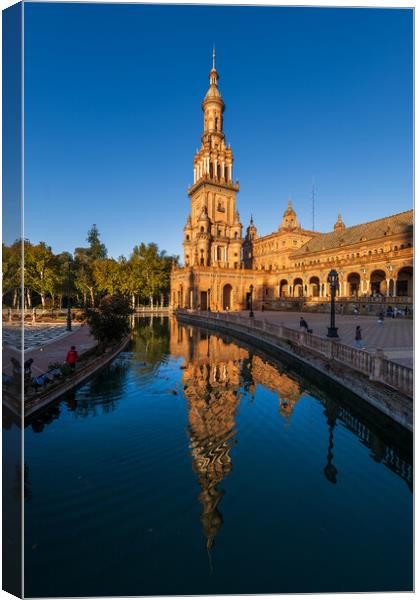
{"x":220,"y":264}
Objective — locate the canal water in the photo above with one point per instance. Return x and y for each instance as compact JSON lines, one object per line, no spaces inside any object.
{"x":195,"y":464}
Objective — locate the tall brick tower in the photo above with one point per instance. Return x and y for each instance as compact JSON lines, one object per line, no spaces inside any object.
{"x":213,"y":232}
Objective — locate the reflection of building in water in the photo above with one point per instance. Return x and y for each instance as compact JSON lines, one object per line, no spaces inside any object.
{"x":269,"y":377}
{"x":393,"y":458}
{"x":213,"y":374}
{"x":211,"y":386}
{"x":196,"y":345}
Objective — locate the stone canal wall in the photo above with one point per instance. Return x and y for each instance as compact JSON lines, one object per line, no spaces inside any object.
{"x":385,"y":384}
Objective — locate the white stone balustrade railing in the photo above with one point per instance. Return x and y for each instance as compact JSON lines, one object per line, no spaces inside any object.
{"x":374,"y":365}
{"x":397,"y":376}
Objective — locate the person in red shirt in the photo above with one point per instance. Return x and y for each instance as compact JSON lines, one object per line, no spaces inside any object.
{"x":72,"y":357}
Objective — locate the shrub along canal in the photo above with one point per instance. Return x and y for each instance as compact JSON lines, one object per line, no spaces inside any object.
{"x":195,"y":464}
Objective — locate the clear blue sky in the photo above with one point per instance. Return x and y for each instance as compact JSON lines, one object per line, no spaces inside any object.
{"x":113,"y":116}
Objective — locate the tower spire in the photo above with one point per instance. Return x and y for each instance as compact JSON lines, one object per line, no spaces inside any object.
{"x":214,"y":57}
{"x":339,"y":225}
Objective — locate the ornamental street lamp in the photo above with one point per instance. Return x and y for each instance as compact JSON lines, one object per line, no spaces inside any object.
{"x":251,"y":289}
{"x":333,"y":282}
{"x":68,"y":328}
{"x":208,"y":300}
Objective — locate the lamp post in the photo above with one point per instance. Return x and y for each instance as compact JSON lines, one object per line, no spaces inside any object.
{"x":208,"y":300}
{"x":333,"y":282}
{"x":251,"y":289}
{"x":68,"y":328}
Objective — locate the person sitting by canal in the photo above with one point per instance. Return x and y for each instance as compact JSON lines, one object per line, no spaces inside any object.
{"x":358,"y":342}
{"x":71,"y":358}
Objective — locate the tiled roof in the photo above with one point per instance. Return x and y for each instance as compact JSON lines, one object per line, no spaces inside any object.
{"x":400,"y":223}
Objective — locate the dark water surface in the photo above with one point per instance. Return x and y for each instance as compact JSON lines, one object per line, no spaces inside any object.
{"x":194,"y":464}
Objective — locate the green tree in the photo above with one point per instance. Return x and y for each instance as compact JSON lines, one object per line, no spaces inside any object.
{"x":12,"y":272}
{"x":96,"y":250}
{"x":85,"y":281}
{"x":65,"y":282}
{"x":40,"y":269}
{"x":109,"y":322}
{"x":85,"y":259}
{"x":152,"y":271}
{"x":107,"y":274}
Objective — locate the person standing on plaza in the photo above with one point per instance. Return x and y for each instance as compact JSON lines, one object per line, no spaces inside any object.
{"x":358,"y":342}
{"x":303,"y":323}
{"x":381,"y":317}
{"x":72,"y":357}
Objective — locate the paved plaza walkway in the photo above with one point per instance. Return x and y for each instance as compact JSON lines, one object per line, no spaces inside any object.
{"x":36,"y":334}
{"x":54,"y":349}
{"x":395,"y":336}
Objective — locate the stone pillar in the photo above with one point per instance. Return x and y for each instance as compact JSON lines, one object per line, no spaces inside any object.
{"x":223,"y":169}
{"x":387,"y":288}
{"x":345,"y":288}
{"x":377,"y":367}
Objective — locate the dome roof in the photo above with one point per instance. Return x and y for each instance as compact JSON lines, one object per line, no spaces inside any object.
{"x":213,"y":92}
{"x":289,"y":210}
{"x":289,"y":218}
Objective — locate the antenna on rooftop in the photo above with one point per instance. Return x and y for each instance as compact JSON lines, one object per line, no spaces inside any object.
{"x":313,"y":205}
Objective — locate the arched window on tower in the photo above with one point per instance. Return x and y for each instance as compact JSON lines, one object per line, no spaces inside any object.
{"x":216,"y":122}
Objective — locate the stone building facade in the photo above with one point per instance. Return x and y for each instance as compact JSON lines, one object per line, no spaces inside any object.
{"x":222,"y":267}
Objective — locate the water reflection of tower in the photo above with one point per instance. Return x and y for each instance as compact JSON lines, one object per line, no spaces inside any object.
{"x":332,"y":410}
{"x":211,"y":384}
